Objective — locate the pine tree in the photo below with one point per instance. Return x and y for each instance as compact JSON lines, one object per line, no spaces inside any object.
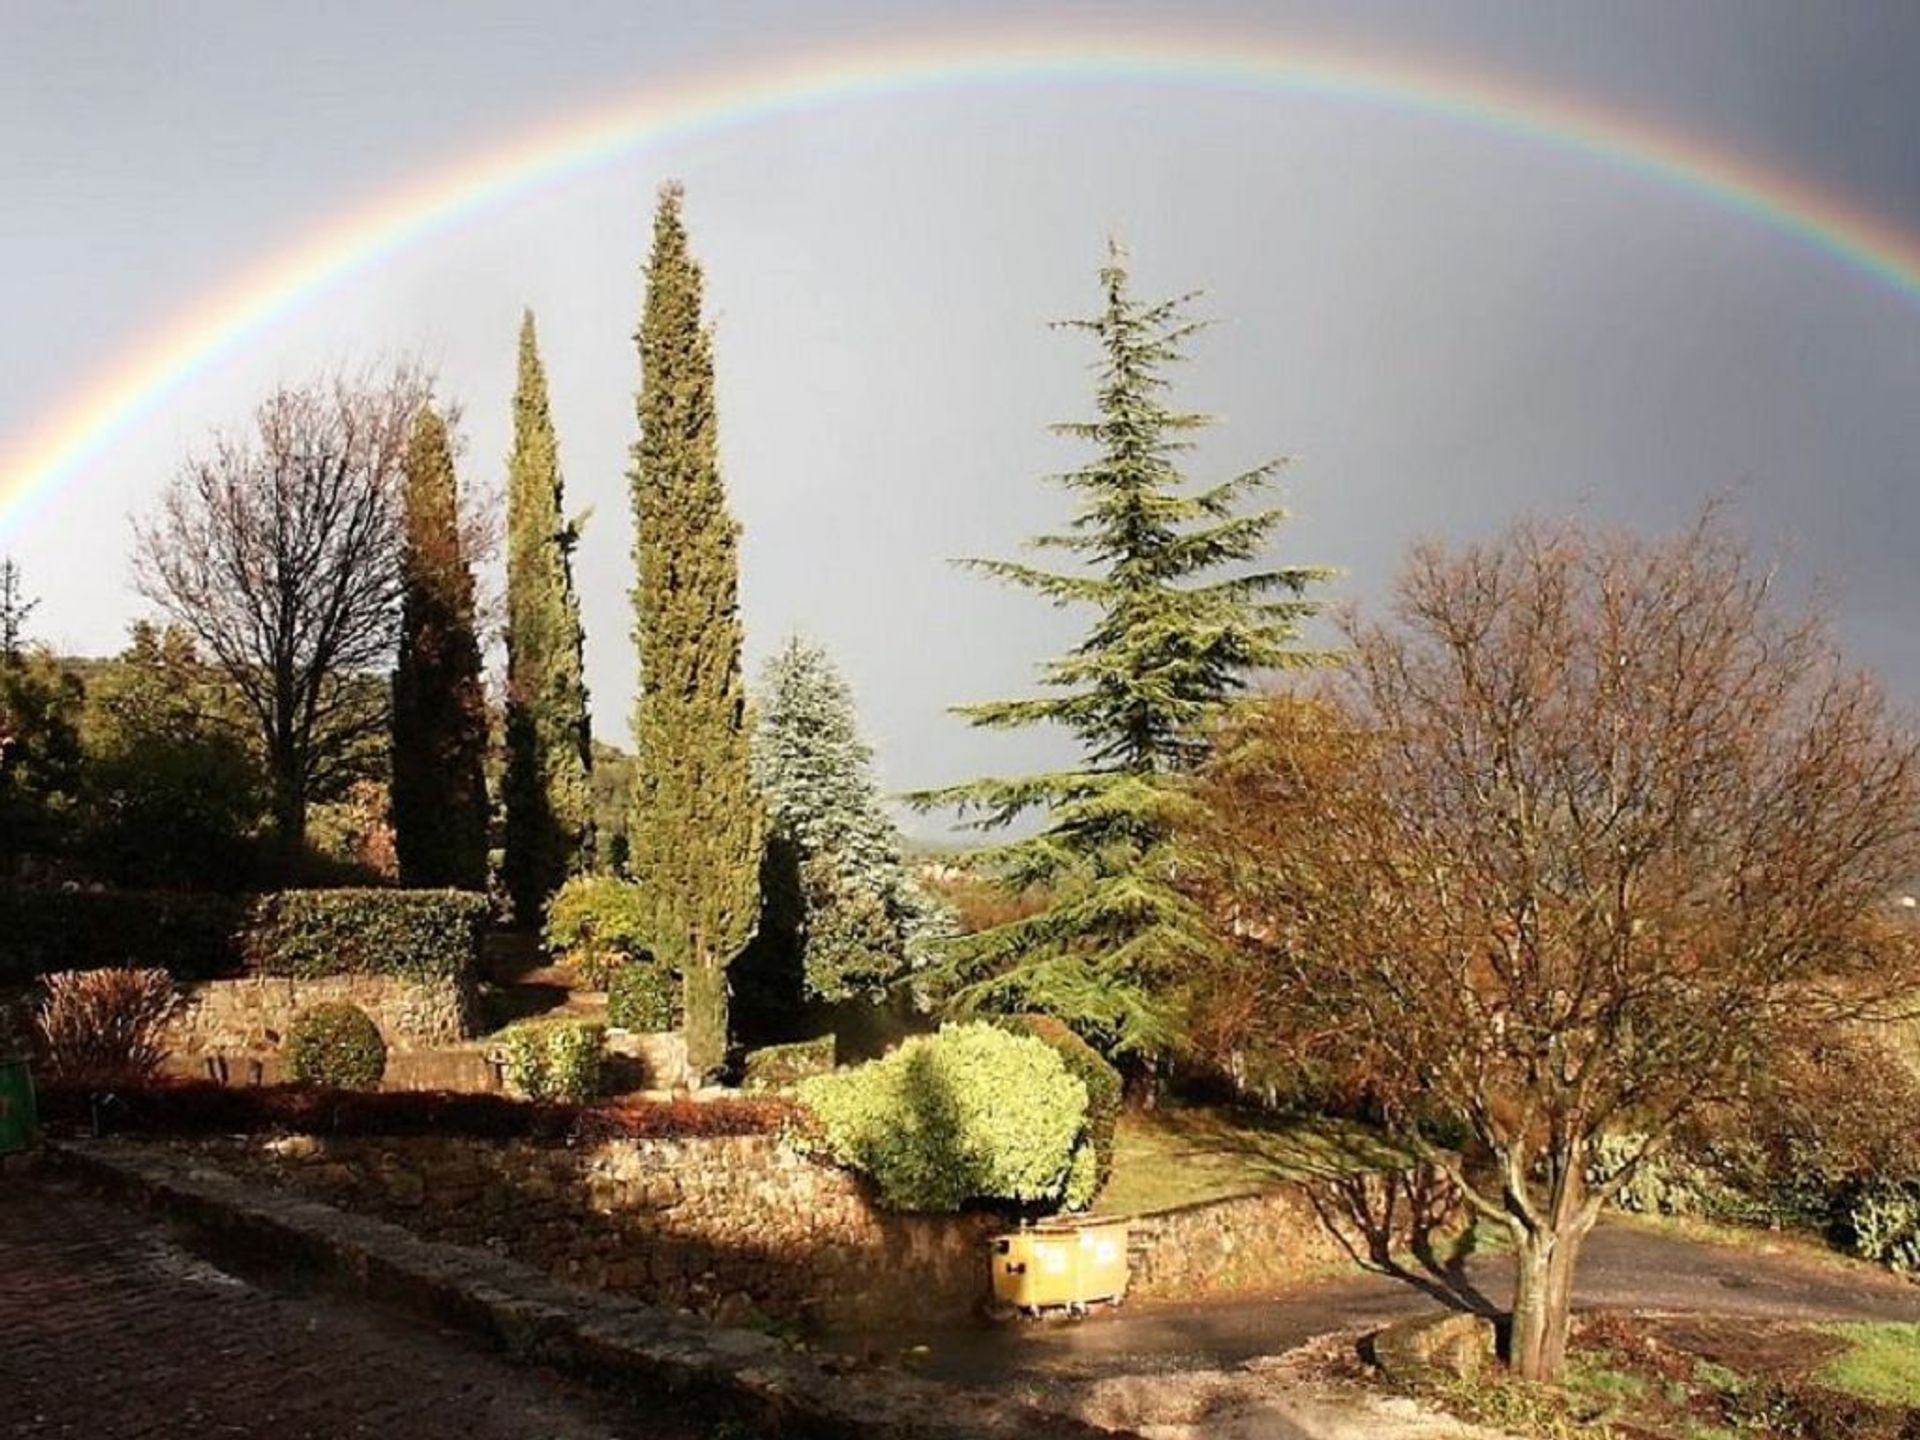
{"x":696,"y":822}
{"x":439,"y":705}
{"x":852,"y":910}
{"x":549,"y":832}
{"x":1181,"y":624}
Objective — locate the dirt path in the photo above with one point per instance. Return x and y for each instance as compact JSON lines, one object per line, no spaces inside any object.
{"x":1626,"y":1267}
{"x":1180,"y":1372}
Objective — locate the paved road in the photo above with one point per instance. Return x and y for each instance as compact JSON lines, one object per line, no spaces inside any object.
{"x":111,"y":1331}
{"x":1625,"y":1267}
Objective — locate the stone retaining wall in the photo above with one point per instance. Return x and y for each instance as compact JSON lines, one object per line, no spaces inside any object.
{"x":251,"y":1017}
{"x":1276,"y":1238}
{"x":743,"y":1228}
{"x":730,"y":1229}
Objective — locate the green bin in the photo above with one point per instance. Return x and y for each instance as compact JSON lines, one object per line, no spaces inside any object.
{"x":16,"y":1106}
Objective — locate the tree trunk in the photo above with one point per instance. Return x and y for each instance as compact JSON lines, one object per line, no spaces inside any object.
{"x":704,"y":986}
{"x":1544,"y":1265}
{"x":289,"y":815}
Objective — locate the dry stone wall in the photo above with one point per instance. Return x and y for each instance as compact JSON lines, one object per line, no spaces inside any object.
{"x":251,"y":1017}
{"x":743,"y":1229}
{"x":732,"y":1229}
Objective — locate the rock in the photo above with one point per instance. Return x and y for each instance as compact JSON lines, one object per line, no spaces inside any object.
{"x":1459,"y":1346}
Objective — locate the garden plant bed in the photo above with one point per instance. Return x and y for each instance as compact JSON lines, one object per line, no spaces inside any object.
{"x":1645,"y":1377}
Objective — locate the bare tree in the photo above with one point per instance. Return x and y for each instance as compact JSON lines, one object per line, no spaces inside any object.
{"x":1587,"y":832}
{"x":279,"y":551}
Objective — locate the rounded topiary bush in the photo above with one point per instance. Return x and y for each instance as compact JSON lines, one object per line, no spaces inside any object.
{"x":554,"y":1059}
{"x":336,"y":1044}
{"x":972,"y":1113}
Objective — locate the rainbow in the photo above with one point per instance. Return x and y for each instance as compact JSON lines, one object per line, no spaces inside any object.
{"x":135,"y":384}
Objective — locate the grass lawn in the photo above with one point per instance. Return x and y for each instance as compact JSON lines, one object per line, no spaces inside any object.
{"x":1881,"y":1362}
{"x":1182,"y":1155}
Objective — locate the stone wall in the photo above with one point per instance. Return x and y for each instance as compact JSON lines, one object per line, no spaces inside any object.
{"x":731,"y":1229}
{"x":251,"y":1017}
{"x":734,"y":1229}
{"x":1281,"y":1237}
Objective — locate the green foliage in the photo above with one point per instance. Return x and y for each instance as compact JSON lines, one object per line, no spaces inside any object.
{"x":839,"y":900}
{"x":554,"y":1059}
{"x":972,"y":1113}
{"x":1881,"y":1363}
{"x":695,"y":845}
{"x":1103,"y":1082}
{"x":174,"y":794}
{"x":643,"y":997}
{"x":1880,"y":1221}
{"x":778,"y":1067}
{"x":1668,"y":1182}
{"x":596,"y":924}
{"x":549,"y":829}
{"x":40,"y":756}
{"x":440,"y":813}
{"x":1180,"y":625}
{"x":191,"y":937}
{"x":337,"y":1045}
{"x":413,"y":934}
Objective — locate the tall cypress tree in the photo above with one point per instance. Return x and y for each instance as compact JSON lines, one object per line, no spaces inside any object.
{"x":549,"y":743}
{"x":1181,"y":621}
{"x":439,"y":703}
{"x":696,"y":822}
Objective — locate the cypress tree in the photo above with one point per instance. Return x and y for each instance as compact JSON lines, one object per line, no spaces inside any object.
{"x":439,"y":704}
{"x":1180,"y":624}
{"x":696,"y":823}
{"x":549,"y":743}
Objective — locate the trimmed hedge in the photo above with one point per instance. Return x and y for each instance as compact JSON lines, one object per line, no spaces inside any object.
{"x":644,"y":997}
{"x":554,"y":1059}
{"x":304,"y":934}
{"x":777,"y":1067}
{"x":1104,"y":1084}
{"x":191,"y":937}
{"x":199,"y":1107}
{"x":409,"y":934}
{"x":972,"y":1113}
{"x":336,"y":1044}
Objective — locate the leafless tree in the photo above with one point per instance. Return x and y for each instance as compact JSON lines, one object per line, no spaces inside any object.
{"x":1589,"y":830}
{"x":279,"y":551}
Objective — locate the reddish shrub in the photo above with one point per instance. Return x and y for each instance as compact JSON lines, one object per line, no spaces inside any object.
{"x":200,"y":1108}
{"x":104,"y":1027}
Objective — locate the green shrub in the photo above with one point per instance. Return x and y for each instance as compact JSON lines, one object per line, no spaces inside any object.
{"x":337,"y":1045}
{"x":411,"y":934}
{"x":972,"y":1113}
{"x":191,"y":937}
{"x":595,"y":924}
{"x":554,"y":1059}
{"x":1104,"y":1087}
{"x":644,"y":996}
{"x":1880,"y":1221}
{"x":777,"y":1067}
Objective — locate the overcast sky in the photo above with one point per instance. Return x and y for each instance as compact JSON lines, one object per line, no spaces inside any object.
{"x":1445,"y":326}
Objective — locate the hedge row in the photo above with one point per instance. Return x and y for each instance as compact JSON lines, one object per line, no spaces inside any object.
{"x":306,"y":934}
{"x":203,"y":1108}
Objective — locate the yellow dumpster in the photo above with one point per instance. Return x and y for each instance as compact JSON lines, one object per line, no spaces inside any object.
{"x":1061,"y":1264}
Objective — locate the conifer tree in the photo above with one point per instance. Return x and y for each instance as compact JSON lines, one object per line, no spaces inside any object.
{"x":549,"y":831}
{"x":439,"y":705}
{"x":843,"y":892}
{"x":1181,"y":622}
{"x":696,"y":823}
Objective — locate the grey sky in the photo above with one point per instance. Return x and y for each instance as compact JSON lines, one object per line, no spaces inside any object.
{"x":1443,"y":325}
